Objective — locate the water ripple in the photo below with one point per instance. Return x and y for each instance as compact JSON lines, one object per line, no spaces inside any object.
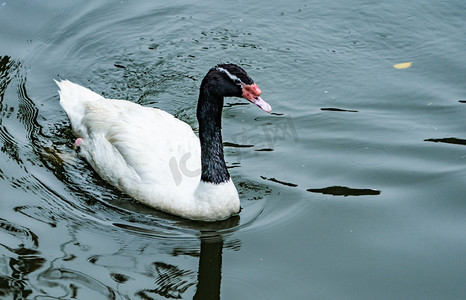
{"x":14,"y":288}
{"x":170,"y":281}
{"x":28,"y":112}
{"x":9,"y":145}
{"x":8,"y":69}
{"x":368,"y":156}
{"x":28,"y":239}
{"x":74,"y":284}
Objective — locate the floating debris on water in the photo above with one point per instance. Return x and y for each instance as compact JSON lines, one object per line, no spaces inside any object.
{"x":403,"y":65}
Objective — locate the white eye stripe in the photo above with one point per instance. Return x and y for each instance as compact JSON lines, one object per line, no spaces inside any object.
{"x":232,"y":77}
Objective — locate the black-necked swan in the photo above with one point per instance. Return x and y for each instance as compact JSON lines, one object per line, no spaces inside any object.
{"x":156,"y":158}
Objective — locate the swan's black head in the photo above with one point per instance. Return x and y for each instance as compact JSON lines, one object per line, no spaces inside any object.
{"x":230,"y":80}
{"x":224,"y":80}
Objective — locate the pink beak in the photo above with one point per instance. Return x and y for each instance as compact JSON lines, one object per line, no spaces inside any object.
{"x":252,"y":93}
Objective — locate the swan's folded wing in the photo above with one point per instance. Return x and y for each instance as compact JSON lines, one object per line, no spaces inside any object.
{"x":147,"y":144}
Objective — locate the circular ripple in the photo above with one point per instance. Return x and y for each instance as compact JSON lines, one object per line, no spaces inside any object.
{"x":364,"y":156}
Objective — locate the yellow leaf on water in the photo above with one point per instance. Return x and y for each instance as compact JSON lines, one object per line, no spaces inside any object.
{"x":403,"y":65}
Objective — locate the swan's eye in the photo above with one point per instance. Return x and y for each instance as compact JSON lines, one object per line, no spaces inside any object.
{"x":237,"y":81}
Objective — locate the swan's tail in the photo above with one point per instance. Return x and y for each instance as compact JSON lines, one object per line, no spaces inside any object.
{"x":73,"y":99}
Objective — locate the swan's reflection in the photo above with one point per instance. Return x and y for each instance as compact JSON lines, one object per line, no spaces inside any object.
{"x":209,"y":276}
{"x":172,"y":281}
{"x":210,"y":269}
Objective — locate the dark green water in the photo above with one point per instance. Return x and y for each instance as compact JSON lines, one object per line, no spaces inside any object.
{"x":353,"y":188}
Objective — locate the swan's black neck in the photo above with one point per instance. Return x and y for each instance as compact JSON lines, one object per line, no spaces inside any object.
{"x":209,"y":116}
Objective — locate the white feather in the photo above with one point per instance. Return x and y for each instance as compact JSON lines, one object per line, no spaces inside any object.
{"x":146,"y":153}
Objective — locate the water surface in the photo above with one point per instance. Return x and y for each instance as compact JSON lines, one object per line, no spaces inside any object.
{"x":353,"y":188}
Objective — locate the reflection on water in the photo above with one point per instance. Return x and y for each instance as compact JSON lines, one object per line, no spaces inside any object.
{"x":210,"y":269}
{"x":337,"y":109}
{"x":63,"y":275}
{"x":7,"y":69}
{"x":73,"y":284}
{"x":280,"y":181}
{"x":448,"y":141}
{"x":20,"y":257}
{"x":9,"y":145}
{"x":172,"y":282}
{"x":344,"y":191}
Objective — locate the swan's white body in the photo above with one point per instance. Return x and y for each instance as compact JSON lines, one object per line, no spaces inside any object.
{"x":146,"y":153}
